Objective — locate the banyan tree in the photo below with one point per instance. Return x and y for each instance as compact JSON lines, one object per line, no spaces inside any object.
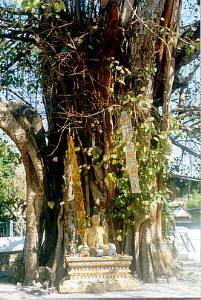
{"x":105,"y":70}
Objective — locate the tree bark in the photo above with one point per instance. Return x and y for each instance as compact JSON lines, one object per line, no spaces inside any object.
{"x":17,"y":126}
{"x":94,"y":86}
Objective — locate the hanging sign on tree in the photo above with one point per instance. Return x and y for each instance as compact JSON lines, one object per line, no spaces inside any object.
{"x":131,"y":160}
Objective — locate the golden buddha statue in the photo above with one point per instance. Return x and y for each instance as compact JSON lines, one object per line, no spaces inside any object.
{"x":96,"y":238}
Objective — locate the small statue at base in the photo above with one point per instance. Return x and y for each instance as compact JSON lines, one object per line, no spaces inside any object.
{"x":73,"y":248}
{"x":96,"y":238}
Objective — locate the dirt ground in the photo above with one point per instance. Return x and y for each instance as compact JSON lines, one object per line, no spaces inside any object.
{"x":187,"y":285}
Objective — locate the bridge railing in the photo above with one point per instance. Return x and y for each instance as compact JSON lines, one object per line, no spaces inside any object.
{"x":12,"y":229}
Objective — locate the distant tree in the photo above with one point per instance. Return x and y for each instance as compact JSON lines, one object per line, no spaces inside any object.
{"x":12,"y":184}
{"x":193,"y":200}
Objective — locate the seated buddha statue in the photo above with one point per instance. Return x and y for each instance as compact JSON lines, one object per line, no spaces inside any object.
{"x":96,"y":237}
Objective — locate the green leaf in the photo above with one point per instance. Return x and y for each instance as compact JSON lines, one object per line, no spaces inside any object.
{"x":30,"y":4}
{"x":51,"y":204}
{"x":59,"y":6}
{"x":77,"y":149}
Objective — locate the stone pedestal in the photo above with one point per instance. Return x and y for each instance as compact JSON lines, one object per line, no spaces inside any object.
{"x":98,"y":274}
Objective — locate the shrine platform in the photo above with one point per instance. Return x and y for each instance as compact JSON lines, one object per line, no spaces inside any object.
{"x":98,"y":274}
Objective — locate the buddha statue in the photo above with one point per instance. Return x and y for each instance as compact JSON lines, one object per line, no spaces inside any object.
{"x":96,"y":238}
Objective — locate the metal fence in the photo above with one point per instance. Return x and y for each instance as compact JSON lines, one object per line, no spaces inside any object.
{"x":11,"y":228}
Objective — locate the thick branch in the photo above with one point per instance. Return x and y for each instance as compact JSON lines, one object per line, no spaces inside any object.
{"x":186,"y":149}
{"x":16,"y":128}
{"x":189,"y":37}
{"x":127,"y":11}
{"x":190,"y":178}
{"x":191,"y":33}
{"x":184,"y":82}
{"x":184,"y":58}
{"x":14,"y":122}
{"x":187,"y":109}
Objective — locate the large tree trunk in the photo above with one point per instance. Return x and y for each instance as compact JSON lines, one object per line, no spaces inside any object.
{"x":152,"y":255}
{"x":18,"y":121}
{"x":80,"y":92}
